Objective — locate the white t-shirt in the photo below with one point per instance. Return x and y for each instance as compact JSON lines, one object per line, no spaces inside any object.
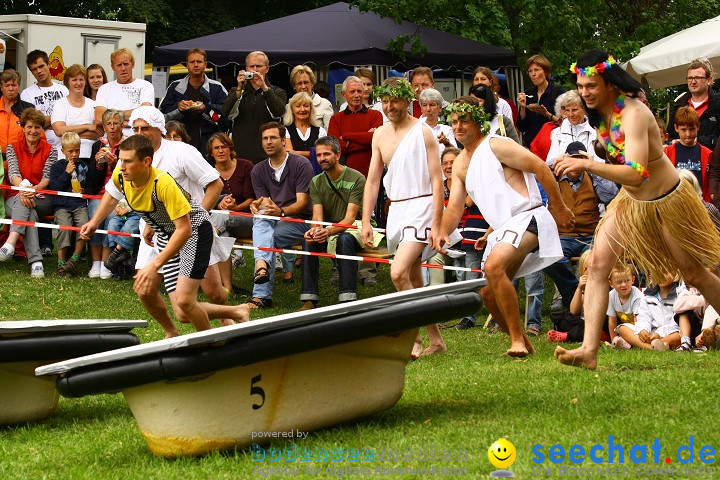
{"x":504,"y":109}
{"x":64,"y":112}
{"x":633,"y":311}
{"x":44,"y":99}
{"x":126,"y":96}
{"x":189,"y":169}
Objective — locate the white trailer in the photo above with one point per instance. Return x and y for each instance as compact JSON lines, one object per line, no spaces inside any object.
{"x":68,"y":41}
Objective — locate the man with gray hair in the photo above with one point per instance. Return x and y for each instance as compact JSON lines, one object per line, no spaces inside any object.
{"x":337,"y":196}
{"x":701,"y":98}
{"x":253,"y":103}
{"x":354,"y":127}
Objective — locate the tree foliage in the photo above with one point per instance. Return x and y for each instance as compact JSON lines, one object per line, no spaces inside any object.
{"x":559,"y":29}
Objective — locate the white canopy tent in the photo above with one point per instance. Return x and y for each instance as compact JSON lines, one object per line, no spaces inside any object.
{"x":664,"y":63}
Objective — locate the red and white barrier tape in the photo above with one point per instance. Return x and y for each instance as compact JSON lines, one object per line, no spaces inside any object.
{"x":25,"y":223}
{"x":290,"y":219}
{"x":52,"y":192}
{"x":356,"y":258}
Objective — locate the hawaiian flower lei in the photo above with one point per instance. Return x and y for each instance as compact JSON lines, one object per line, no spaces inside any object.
{"x":402,"y":90}
{"x":618,"y":153}
{"x":477,"y":114}
{"x":595,"y":69}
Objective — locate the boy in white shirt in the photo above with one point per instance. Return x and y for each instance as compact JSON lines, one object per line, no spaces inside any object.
{"x":45,"y":92}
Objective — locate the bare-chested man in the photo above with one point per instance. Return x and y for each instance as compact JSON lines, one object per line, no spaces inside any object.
{"x":499,"y":175}
{"x":414,"y":186}
{"x":656,"y":220}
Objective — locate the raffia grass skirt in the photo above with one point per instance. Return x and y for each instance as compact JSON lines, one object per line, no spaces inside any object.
{"x":641,"y":225}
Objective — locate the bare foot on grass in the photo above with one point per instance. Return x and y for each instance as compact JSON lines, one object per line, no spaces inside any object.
{"x":241,"y":313}
{"x":417,"y":350}
{"x":431,"y":349}
{"x":518,"y":349}
{"x":579,"y":357}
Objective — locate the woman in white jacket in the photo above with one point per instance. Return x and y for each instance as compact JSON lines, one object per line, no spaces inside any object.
{"x":574,"y":128}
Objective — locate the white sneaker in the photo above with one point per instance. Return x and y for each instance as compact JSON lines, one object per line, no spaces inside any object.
{"x":105,"y":273}
{"x":37,"y":271}
{"x":6,"y":254}
{"x":94,"y":271}
{"x":620,"y":343}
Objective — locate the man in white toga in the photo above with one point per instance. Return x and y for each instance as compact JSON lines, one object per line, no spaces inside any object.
{"x":413,"y":184}
{"x":500,"y":177}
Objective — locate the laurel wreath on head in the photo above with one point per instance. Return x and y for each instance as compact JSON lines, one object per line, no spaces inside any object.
{"x":402,"y":90}
{"x":476,"y":113}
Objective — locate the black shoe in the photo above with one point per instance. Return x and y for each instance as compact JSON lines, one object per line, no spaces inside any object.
{"x":116,"y":257}
{"x":465,"y":324}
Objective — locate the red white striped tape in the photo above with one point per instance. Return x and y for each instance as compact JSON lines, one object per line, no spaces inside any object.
{"x":356,"y":258}
{"x":52,"y":192}
{"x":290,"y":219}
{"x":24,"y":223}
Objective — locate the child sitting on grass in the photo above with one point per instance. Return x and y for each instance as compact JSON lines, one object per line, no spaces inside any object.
{"x":660,"y":298}
{"x":626,"y":306}
{"x":697,"y":321}
{"x":68,"y":175}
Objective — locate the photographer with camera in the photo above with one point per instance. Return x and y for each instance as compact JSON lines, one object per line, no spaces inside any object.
{"x":254,"y":102}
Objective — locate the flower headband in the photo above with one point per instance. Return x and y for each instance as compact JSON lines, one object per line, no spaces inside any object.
{"x":594,"y":70}
{"x":477,"y":114}
{"x":401,"y":90}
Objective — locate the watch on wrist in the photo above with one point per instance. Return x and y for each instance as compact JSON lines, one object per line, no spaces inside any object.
{"x":282,"y":212}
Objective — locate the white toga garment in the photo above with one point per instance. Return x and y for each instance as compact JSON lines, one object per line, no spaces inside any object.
{"x":407,"y":184}
{"x":508,"y":212}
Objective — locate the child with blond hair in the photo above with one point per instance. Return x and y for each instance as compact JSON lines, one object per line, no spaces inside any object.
{"x":626,"y":307}
{"x":660,"y":298}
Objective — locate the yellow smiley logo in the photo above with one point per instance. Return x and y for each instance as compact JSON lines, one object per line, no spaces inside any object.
{"x":502,"y":453}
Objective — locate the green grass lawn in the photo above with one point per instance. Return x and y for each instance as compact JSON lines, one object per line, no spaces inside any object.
{"x":461,"y":401}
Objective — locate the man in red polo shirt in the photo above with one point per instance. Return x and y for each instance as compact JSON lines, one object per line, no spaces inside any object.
{"x":354,"y":126}
{"x":701,"y":98}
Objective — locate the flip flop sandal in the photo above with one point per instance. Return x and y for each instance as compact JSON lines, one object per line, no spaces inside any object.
{"x":261,"y":276}
{"x":259,"y":303}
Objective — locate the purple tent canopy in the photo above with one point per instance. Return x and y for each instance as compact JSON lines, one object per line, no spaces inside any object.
{"x":340,"y":34}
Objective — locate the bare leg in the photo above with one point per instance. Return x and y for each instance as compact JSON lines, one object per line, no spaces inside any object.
{"x":405,"y":274}
{"x":12,"y":238}
{"x":155,"y":306}
{"x":694,"y":273}
{"x":226,"y":273}
{"x":184,"y":302}
{"x":96,"y":252}
{"x":634,"y":340}
{"x":684,"y":322}
{"x":213,"y":288}
{"x":673,"y":340}
{"x":502,"y":264}
{"x":604,"y":256}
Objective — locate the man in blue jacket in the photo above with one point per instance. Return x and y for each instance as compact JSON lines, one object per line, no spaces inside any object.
{"x":196,"y":100}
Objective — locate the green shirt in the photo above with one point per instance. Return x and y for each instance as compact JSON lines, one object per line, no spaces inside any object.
{"x":350,"y":185}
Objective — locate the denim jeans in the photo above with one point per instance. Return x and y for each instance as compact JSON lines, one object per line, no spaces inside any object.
{"x":98,"y":238}
{"x":561,"y":271}
{"x":274,"y":234}
{"x":128,"y":225}
{"x":535,"y":289}
{"x":346,"y":245}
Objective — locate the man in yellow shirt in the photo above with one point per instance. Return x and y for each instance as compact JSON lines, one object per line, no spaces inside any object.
{"x":184,"y":236}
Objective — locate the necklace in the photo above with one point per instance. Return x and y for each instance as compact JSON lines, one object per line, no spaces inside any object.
{"x":618,"y":153}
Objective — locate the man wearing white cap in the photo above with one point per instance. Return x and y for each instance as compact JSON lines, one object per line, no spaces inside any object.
{"x":190,"y":170}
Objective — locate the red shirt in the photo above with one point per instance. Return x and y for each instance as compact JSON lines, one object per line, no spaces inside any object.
{"x":352,"y":129}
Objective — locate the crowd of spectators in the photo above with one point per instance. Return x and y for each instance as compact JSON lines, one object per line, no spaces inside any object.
{"x":305,"y":159}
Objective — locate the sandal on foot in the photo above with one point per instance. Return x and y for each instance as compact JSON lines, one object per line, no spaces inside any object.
{"x":259,"y":303}
{"x":288,"y":277}
{"x":532,"y":331}
{"x":261,"y":276}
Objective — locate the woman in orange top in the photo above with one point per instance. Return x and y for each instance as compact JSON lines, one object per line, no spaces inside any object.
{"x":10,"y":108}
